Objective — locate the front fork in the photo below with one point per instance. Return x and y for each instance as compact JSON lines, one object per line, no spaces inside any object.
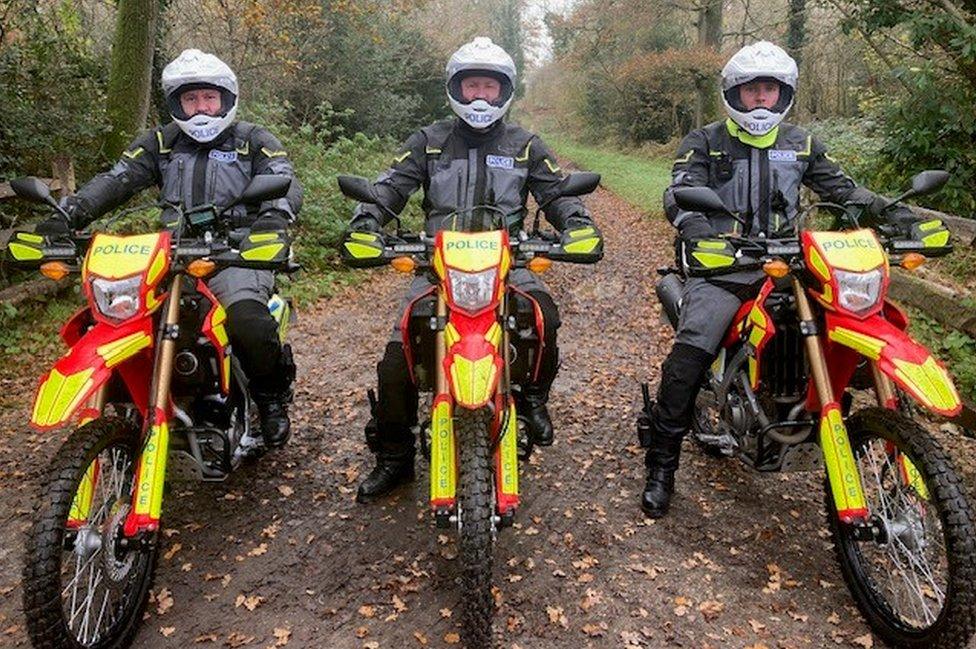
{"x":443,"y":452}
{"x":842,"y":473}
{"x":147,"y":497}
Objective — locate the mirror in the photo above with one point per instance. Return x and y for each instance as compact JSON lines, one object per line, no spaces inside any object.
{"x":265,"y":187}
{"x":358,"y":188}
{"x":699,"y":199}
{"x":579,"y":183}
{"x":32,"y":189}
{"x":929,"y":181}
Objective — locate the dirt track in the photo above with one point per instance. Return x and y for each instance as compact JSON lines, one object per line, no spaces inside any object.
{"x":743,"y":560}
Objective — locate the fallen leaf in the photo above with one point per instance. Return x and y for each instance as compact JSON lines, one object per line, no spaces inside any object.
{"x":398,"y":605}
{"x":421,"y":638}
{"x":282,"y":636}
{"x":833,"y":618}
{"x":367,"y":611}
{"x":452,"y":638}
{"x":446,"y":612}
{"x":285,"y":490}
{"x":258,"y":551}
{"x":866,"y":641}
{"x":250,"y":602}
{"x":595,"y":630}
{"x":556,"y":616}
{"x":711,"y":609}
{"x":164,"y":601}
{"x":172,"y":551}
{"x":756,"y":625}
{"x":167,"y":631}
{"x":208,"y":637}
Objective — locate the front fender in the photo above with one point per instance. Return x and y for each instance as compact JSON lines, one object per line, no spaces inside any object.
{"x":88,"y":365}
{"x":903,"y":359}
{"x":473,"y":363}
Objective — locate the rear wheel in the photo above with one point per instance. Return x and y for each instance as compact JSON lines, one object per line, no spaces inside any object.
{"x":477,"y":524}
{"x":84,"y":584}
{"x":914,"y":574}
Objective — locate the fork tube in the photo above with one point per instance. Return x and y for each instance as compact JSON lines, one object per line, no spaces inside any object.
{"x":842,"y":473}
{"x":506,"y":386}
{"x":439,"y":346}
{"x":884,"y":388}
{"x":148,"y":495}
{"x":818,"y":364}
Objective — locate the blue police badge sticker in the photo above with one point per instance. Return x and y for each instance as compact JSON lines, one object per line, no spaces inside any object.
{"x":223,"y":156}
{"x":500,"y":162}
{"x":781,"y":155}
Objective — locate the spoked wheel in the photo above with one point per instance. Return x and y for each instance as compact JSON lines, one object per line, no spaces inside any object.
{"x":477,"y":524}
{"x":84,"y":586}
{"x":913,"y":575}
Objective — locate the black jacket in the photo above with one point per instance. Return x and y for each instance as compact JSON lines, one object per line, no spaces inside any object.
{"x":460,"y":168}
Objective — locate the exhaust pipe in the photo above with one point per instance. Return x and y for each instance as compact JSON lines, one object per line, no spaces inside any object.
{"x":669,"y":291}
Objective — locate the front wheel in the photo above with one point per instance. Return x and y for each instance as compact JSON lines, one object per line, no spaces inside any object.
{"x":84,"y":584}
{"x":477,"y":524}
{"x":913,"y":573}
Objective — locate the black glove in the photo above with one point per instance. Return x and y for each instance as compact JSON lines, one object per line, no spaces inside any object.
{"x":270,"y":221}
{"x":54,"y":226}
{"x":695,"y":228}
{"x":365,"y":222}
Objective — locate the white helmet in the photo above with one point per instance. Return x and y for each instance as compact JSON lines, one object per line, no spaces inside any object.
{"x":480,"y":57}
{"x":762,"y":60}
{"x":193,"y":70}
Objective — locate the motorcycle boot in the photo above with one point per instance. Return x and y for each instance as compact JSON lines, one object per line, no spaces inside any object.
{"x":394,"y":450}
{"x":272,"y":394}
{"x":670,"y":417}
{"x":536,"y":415}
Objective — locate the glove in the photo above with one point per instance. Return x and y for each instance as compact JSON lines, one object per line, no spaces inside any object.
{"x":704,"y":256}
{"x":54,"y":226}
{"x":580,"y":236}
{"x":695,"y":228}
{"x":270,"y":221}
{"x":365,"y":222}
{"x":931,"y":232}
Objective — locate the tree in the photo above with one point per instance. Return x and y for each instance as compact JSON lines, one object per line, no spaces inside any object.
{"x":710,"y":38}
{"x":130,"y":75}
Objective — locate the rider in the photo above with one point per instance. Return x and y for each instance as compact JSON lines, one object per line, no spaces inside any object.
{"x":204,"y":156}
{"x":756,"y":163}
{"x":473,"y":159}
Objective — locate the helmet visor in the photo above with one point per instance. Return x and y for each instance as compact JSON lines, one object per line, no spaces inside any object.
{"x":734,"y":99}
{"x":173,"y":101}
{"x":454,"y":86}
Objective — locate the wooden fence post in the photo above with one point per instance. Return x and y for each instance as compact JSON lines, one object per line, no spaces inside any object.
{"x":63,"y":172}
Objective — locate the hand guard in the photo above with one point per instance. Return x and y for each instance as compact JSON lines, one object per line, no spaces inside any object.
{"x":581,"y":240}
{"x":706,"y":256}
{"x":363,"y":249}
{"x":931,"y":232}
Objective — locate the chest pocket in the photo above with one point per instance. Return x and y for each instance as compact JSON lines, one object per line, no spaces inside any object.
{"x":447,"y":189}
{"x":786,"y":177}
{"x":504,"y":187}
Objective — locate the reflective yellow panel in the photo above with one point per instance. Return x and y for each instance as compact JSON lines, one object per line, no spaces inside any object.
{"x":115,"y":257}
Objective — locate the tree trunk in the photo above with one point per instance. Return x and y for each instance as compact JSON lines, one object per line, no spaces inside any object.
{"x":508,"y":24}
{"x":131,"y":71}
{"x":796,"y":34}
{"x":709,"y":36}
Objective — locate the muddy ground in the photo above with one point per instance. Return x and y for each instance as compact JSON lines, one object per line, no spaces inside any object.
{"x":281,"y":554}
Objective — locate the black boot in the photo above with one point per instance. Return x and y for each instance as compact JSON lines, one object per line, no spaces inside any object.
{"x":536,"y":415}
{"x":273,"y":412}
{"x":394,"y":449}
{"x":662,"y":462}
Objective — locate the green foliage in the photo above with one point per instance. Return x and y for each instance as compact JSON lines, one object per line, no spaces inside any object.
{"x":955,"y":348}
{"x":52,"y":82}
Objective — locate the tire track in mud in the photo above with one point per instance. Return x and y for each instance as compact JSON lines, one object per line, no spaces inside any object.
{"x":743,"y":559}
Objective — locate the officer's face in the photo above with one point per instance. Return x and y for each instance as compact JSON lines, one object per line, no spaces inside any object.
{"x":204,"y":101}
{"x":759,"y":94}
{"x":487,"y":88}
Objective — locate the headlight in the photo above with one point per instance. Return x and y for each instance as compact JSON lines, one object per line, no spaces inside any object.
{"x":858,"y":292}
{"x":117,"y":298}
{"x":472,"y":291}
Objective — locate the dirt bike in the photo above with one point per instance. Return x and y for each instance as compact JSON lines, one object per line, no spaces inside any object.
{"x":157,"y":394}
{"x":779,"y":396}
{"x":472,"y":340}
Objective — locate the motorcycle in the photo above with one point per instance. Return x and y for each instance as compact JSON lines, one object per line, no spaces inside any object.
{"x":157,"y":394}
{"x":779,"y":397}
{"x":472,"y":340}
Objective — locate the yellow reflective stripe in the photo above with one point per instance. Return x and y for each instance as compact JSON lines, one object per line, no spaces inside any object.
{"x":818,"y":263}
{"x":582,"y":232}
{"x":809,"y":149}
{"x":156,"y":268}
{"x":263,"y":236}
{"x":494,"y":335}
{"x":117,"y":351}
{"x":553,"y":168}
{"x":59,"y":395}
{"x":361,"y":251}
{"x":159,"y":138}
{"x":929,"y":383}
{"x":912,"y":477}
{"x":400,"y":158}
{"x":930,"y":225}
{"x":583,"y":246}
{"x":20,"y":252}
{"x":152,"y":472}
{"x":135,"y":153}
{"x":245,"y":149}
{"x":473,"y":380}
{"x":716,"y":154}
{"x":525,"y":154}
{"x":273,"y":154}
{"x":686,"y":158}
{"x":712,"y":260}
{"x":263,"y":253}
{"x":509,"y":455}
{"x":431,"y":150}
{"x":82,"y":502}
{"x":867,"y":345}
{"x":443,"y":483}
{"x":362,"y":236}
{"x":30,"y":237}
{"x":936,"y":240}
{"x":842,"y":474}
{"x":830,"y":158}
{"x":711,"y":245}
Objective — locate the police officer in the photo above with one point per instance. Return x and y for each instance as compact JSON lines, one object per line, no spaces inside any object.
{"x":473,"y":159}
{"x":756,"y":163}
{"x":205,"y":156}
